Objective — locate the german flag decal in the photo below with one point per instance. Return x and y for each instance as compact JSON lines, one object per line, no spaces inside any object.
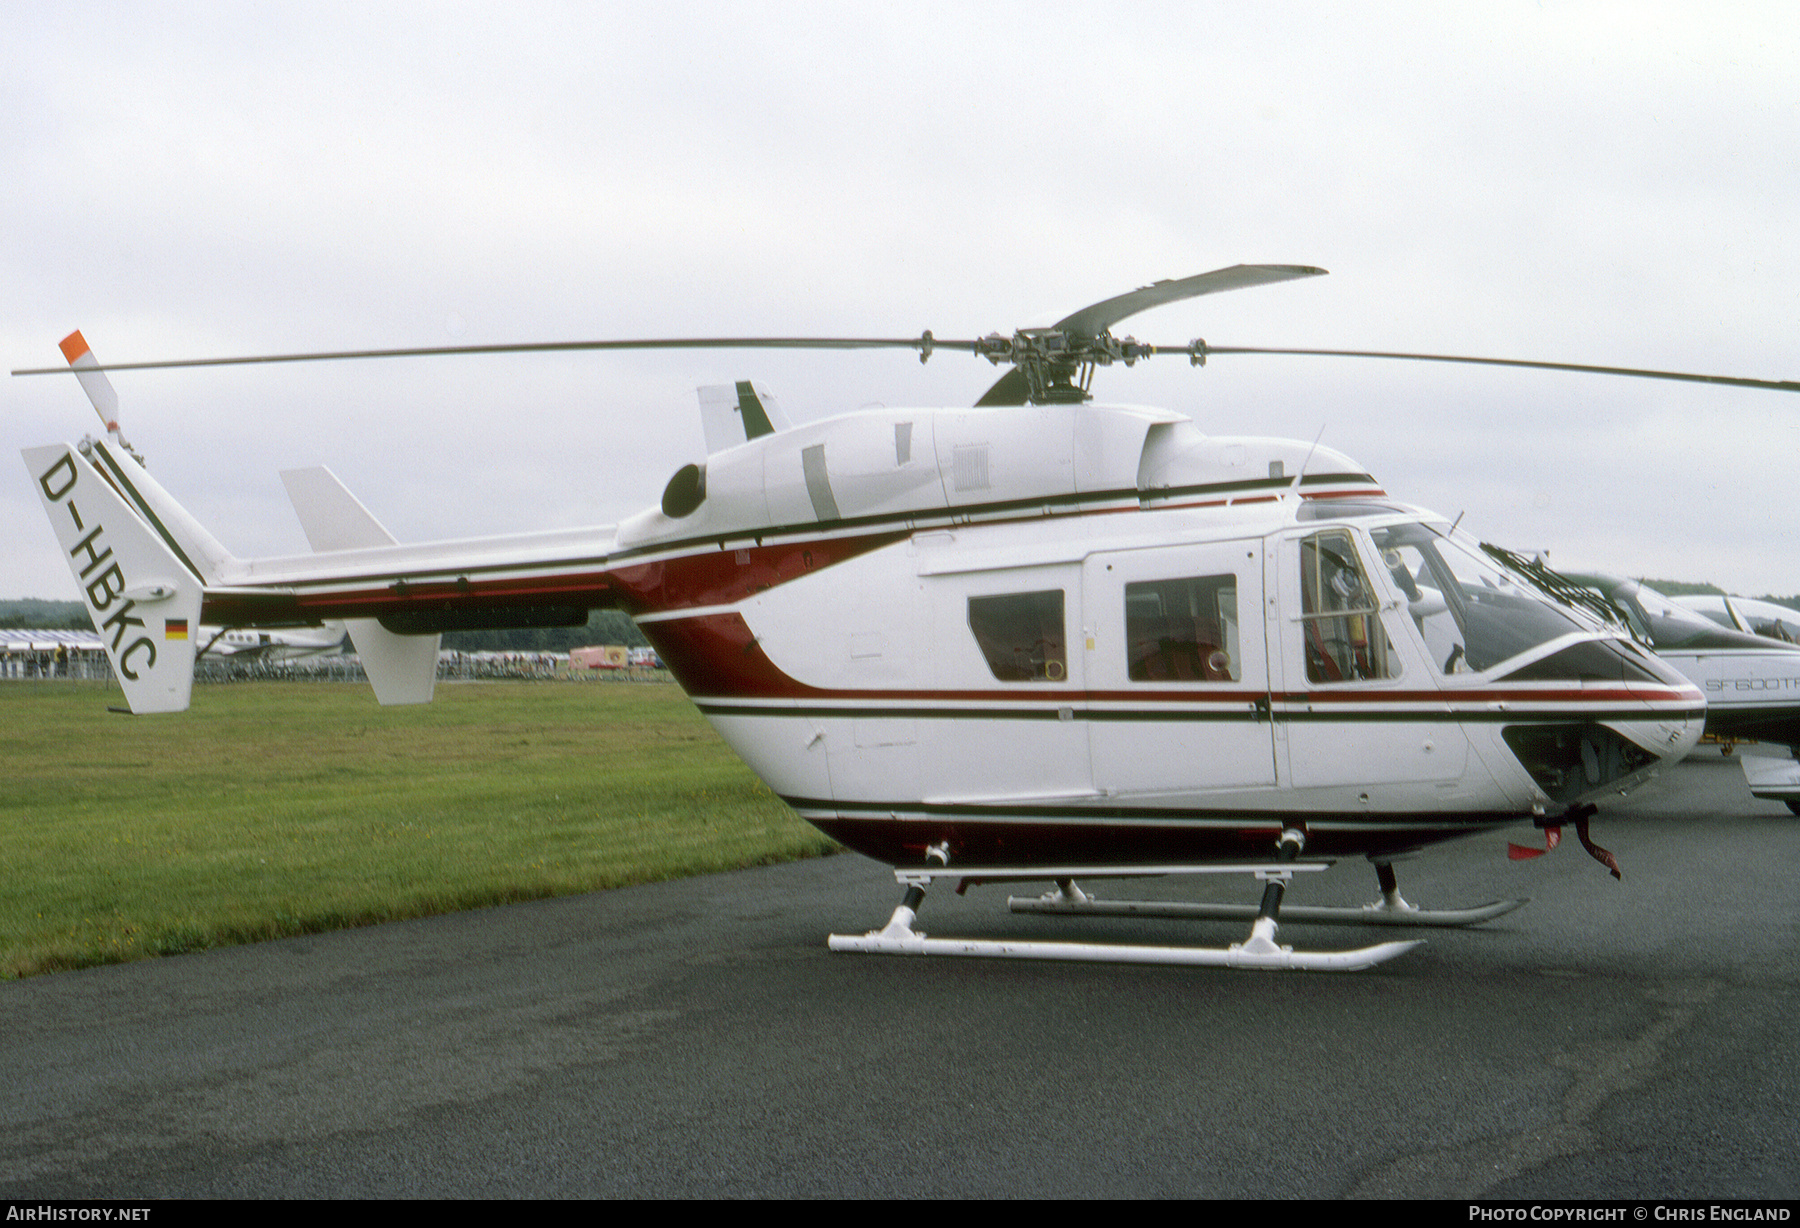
{"x":175,"y":629}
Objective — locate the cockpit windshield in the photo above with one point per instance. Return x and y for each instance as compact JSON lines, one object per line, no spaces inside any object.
{"x":1473,"y":612}
{"x":1765,"y":618}
{"x":1664,"y":623}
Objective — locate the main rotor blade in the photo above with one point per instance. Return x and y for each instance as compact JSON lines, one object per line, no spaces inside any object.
{"x":1011,"y":384}
{"x":1094,"y":320}
{"x":544,"y":347}
{"x":1203,"y":350}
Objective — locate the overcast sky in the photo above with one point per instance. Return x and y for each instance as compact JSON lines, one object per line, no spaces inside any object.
{"x":1614,"y":184}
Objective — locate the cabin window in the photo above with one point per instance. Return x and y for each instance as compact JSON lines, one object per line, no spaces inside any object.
{"x":1344,"y":638}
{"x":1021,"y":635}
{"x":1183,"y":630}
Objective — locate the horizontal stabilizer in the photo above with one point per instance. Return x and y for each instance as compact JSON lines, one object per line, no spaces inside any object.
{"x":401,"y":668}
{"x":143,"y":599}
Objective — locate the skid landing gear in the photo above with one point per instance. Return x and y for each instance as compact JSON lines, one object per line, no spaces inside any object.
{"x":1259,"y":950}
{"x":1390,"y":909}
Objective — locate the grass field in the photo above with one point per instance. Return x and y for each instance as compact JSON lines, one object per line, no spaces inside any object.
{"x":270,"y":809}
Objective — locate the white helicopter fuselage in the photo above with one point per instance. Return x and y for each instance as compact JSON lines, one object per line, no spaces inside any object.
{"x":869,"y":702}
{"x":1042,"y":635}
{"x":1014,"y":685}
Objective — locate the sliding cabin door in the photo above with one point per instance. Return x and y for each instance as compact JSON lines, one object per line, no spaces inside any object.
{"x":1177,"y":672}
{"x":997,"y":717}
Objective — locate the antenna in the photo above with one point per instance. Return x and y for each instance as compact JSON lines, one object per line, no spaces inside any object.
{"x":1309,"y":455}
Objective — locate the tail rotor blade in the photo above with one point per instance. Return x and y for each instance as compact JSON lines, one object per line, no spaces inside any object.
{"x":99,"y":389}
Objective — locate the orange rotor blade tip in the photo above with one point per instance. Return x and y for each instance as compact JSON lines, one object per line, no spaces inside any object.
{"x":74,"y":346}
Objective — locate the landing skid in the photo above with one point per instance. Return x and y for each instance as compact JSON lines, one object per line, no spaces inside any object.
{"x":1259,"y":950}
{"x":1082,"y":904}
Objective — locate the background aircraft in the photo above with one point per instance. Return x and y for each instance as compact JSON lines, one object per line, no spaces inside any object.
{"x":276,"y":644}
{"x":1752,"y":682}
{"x":1766,"y":618}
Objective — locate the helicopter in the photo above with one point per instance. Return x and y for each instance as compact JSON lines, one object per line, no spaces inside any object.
{"x":1043,"y":638}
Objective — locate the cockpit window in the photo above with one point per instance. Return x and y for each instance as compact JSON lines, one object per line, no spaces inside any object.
{"x":1472,"y":612}
{"x":1021,"y":635}
{"x":1339,"y":614}
{"x":1661,"y":622}
{"x":1668,"y":625}
{"x":1768,"y":619}
{"x":1712,"y":609}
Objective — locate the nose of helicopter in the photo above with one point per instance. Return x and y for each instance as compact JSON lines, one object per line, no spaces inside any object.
{"x":1673,"y":721}
{"x":1680,"y":734}
{"x":1614,"y":751}
{"x":1680,"y":707}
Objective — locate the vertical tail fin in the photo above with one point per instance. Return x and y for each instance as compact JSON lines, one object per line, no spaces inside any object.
{"x":143,"y":597}
{"x":731,"y":414}
{"x":186,"y":538}
{"x":119,"y":463}
{"x":401,"y":668}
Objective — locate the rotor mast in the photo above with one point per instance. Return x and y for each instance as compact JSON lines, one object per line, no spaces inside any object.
{"x":1058,"y":367}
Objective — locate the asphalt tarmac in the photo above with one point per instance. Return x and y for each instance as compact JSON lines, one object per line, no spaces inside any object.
{"x":1612,"y":1039}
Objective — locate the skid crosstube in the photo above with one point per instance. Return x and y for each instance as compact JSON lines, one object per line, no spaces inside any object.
{"x":1368,"y":914}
